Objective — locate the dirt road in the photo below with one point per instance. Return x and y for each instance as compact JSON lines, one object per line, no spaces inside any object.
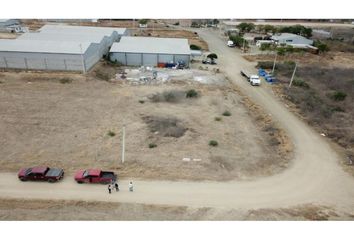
{"x":313,"y":177}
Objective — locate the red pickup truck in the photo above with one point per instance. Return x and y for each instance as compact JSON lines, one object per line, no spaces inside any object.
{"x":41,"y":174}
{"x":95,"y":176}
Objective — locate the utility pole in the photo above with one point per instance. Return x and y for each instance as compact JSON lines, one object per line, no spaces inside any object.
{"x":123,"y":144}
{"x":292,"y":77}
{"x":243,"y":46}
{"x":275,"y":59}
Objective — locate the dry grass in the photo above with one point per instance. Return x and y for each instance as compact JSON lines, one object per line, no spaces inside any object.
{"x":65,"y":125}
{"x":35,"y":210}
{"x":192,"y":37}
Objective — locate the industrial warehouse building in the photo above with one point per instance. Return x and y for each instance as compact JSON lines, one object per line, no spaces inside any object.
{"x":149,"y":51}
{"x":59,"y":47}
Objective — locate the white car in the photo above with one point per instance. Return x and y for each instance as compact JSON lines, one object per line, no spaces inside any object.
{"x":255,"y":80}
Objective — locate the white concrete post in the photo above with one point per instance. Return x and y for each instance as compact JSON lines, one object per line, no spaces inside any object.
{"x":123,"y":145}
{"x":275,"y":59}
{"x":292,"y":77}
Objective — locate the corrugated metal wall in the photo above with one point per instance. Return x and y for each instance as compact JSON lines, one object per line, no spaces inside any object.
{"x":147,"y":59}
{"x":40,"y":61}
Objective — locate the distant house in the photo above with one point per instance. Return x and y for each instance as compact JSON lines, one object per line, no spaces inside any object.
{"x":289,"y":38}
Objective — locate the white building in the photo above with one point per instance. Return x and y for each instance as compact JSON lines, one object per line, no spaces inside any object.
{"x":149,"y":51}
{"x":289,"y":38}
{"x":59,"y":47}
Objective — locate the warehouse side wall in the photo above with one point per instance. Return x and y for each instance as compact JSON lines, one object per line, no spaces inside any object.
{"x":40,"y":61}
{"x":147,"y":59}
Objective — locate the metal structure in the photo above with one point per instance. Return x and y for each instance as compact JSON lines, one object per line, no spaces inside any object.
{"x":149,"y":51}
{"x":59,"y":47}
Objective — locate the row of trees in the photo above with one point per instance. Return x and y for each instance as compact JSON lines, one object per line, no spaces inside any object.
{"x":296,"y":29}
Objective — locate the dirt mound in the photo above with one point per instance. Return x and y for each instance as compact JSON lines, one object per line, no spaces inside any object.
{"x":165,"y":126}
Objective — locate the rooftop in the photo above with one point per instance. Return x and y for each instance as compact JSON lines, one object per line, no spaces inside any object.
{"x":9,"y":45}
{"x":70,"y":37}
{"x":152,"y":45}
{"x":286,"y":35}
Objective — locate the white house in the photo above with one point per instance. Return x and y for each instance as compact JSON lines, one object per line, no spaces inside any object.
{"x":289,"y":38}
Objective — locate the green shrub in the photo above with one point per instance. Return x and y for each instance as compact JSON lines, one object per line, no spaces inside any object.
{"x":152,"y":145}
{"x":176,"y":24}
{"x":212,"y":56}
{"x":300,"y":83}
{"x":281,"y":51}
{"x":191,"y":93}
{"x":195,"y":47}
{"x":339,"y":96}
{"x":141,"y":101}
{"x":266,"y":46}
{"x":226,"y":114}
{"x":143,"y":21}
{"x":322,"y":47}
{"x":111,"y":133}
{"x":218,"y":119}
{"x":65,"y":80}
{"x":213,"y":143}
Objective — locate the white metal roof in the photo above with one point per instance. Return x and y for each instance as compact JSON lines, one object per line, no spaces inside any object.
{"x":60,"y":29}
{"x":287,"y":36}
{"x":7,"y":45}
{"x":51,"y":36}
{"x":152,"y":45}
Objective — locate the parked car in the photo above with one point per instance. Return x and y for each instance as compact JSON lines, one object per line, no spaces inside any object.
{"x":209,"y":61}
{"x":95,"y":176}
{"x":41,"y":174}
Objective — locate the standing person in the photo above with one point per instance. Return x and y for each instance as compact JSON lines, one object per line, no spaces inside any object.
{"x":131,"y":186}
{"x":116,"y":186}
{"x":109,"y":189}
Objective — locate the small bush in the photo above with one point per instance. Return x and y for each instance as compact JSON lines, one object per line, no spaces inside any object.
{"x":301,"y":83}
{"x":195,"y":47}
{"x":226,"y":114}
{"x":152,"y":145}
{"x":65,"y":80}
{"x":281,"y":51}
{"x":191,"y":93}
{"x":111,"y":133}
{"x":141,"y":101}
{"x":172,"y":96}
{"x":213,"y":143}
{"x":176,"y":24}
{"x":218,"y":119}
{"x":102,"y":75}
{"x":338,"y":96}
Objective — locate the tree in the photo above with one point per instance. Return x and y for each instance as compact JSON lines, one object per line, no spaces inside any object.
{"x":212,"y":56}
{"x":143,"y":21}
{"x":195,"y":47}
{"x":215,"y":21}
{"x":297,"y":29}
{"x":246,"y":27}
{"x":238,"y":41}
{"x":269,"y":28}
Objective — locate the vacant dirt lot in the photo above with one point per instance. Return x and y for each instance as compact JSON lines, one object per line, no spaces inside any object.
{"x":72,"y":121}
{"x":192,"y":37}
{"x":322,"y":93}
{"x":36,"y":210}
